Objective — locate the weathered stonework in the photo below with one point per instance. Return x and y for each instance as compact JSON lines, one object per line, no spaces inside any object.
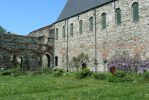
{"x":102,"y":44}
{"x":25,"y":51}
{"x":122,"y":38}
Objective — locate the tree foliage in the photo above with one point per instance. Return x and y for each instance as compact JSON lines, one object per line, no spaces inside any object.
{"x":2,"y":30}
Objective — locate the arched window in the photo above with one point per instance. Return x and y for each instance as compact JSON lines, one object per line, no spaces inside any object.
{"x":135,"y":12}
{"x":56,"y":35}
{"x":64,"y":32}
{"x":81,"y":26}
{"x":118,"y":16}
{"x":91,"y":24}
{"x":71,"y":29}
{"x":56,"y":61}
{"x":103,"y":20}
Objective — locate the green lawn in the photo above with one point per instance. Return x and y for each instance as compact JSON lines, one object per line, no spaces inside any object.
{"x":69,"y":88}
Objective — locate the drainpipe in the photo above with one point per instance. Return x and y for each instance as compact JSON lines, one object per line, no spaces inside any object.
{"x":95,"y":42}
{"x":67,"y":48}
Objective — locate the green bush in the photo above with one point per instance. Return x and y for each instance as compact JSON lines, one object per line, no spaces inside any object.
{"x":13,"y":72}
{"x":100,"y":76}
{"x":146,"y":76}
{"x":115,"y":79}
{"x":58,"y":72}
{"x":120,"y":74}
{"x":83,"y":73}
{"x":128,"y":78}
{"x":122,"y":77}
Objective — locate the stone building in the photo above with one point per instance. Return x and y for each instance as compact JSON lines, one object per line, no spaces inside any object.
{"x":100,"y":29}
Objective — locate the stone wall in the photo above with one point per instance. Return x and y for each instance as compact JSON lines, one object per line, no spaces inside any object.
{"x":25,"y":51}
{"x":129,"y":37}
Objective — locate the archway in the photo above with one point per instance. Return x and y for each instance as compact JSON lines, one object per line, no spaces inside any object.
{"x":46,"y":61}
{"x":20,"y":62}
{"x":84,"y":66}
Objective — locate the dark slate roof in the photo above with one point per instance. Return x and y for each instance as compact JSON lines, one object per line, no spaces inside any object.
{"x":74,"y":7}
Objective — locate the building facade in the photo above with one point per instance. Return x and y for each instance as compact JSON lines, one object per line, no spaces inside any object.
{"x":100,"y":29}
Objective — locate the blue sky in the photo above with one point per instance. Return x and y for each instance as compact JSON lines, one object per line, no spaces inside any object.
{"x":24,"y":16}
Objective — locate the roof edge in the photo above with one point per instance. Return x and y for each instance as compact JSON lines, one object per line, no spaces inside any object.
{"x":84,"y":11}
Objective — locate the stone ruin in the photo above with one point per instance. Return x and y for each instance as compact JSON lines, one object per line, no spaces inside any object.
{"x":25,"y":51}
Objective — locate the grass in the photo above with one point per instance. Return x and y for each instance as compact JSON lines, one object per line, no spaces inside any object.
{"x":46,"y":87}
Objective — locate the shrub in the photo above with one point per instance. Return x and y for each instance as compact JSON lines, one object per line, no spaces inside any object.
{"x":58,"y":72}
{"x":13,"y":72}
{"x":7,"y":72}
{"x":120,"y":74}
{"x":122,"y":77}
{"x":146,"y":75}
{"x":100,"y":76}
{"x":83,"y":73}
{"x":134,"y":76}
{"x":115,"y":79}
{"x":128,"y":78}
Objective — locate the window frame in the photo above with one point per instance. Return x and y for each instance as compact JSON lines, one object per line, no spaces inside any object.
{"x":71,"y":29}
{"x":91,"y":23}
{"x":64,"y":31}
{"x":103,"y":20}
{"x":118,"y":16}
{"x":81,"y":26}
{"x":56,"y":35}
{"x":135,"y":12}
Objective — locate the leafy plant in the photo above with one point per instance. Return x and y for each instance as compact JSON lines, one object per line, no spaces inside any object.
{"x":2,"y":30}
{"x":100,"y":76}
{"x":83,"y":73}
{"x":146,"y":75}
{"x":58,"y":72}
{"x":120,"y":74}
{"x":13,"y":72}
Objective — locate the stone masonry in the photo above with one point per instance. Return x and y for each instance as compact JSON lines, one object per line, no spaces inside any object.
{"x":101,"y":44}
{"x":26,"y":51}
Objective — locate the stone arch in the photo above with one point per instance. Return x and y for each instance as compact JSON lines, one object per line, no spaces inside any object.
{"x":29,"y":58}
{"x":84,"y":65}
{"x":46,"y":60}
{"x":20,"y":61}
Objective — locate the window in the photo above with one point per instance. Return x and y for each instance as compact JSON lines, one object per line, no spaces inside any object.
{"x":81,"y":26}
{"x":135,"y":12}
{"x":103,"y":20}
{"x":56,"y":36}
{"x":71,"y":29}
{"x":63,"y":31}
{"x":118,"y":16}
{"x":91,"y":24}
{"x":56,"y":61}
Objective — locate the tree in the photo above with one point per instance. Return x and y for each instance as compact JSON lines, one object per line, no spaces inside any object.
{"x":79,"y":61}
{"x":2,"y":30}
